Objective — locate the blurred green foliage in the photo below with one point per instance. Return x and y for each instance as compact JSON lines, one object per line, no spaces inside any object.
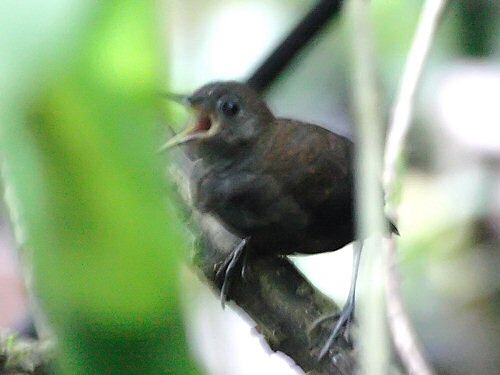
{"x":84,"y":186}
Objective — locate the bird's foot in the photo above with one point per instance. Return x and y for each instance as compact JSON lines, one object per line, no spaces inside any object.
{"x":342,"y":326}
{"x":235,"y":260}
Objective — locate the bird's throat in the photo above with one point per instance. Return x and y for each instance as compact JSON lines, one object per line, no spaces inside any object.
{"x":203,"y":124}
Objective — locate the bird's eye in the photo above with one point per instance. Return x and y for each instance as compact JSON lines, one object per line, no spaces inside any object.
{"x":229,"y":107}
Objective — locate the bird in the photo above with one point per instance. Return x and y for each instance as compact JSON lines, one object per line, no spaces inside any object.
{"x":283,"y":186}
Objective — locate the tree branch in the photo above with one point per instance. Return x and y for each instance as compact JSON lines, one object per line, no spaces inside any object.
{"x":274,"y":294}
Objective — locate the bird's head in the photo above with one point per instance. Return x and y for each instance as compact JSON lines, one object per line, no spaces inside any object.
{"x":228,"y":115}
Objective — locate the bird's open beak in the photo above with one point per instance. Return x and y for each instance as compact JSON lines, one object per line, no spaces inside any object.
{"x":203,"y":127}
{"x":185,"y":100}
{"x":191,"y":133}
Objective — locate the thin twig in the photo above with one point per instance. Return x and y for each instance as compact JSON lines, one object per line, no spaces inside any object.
{"x":404,"y":338}
{"x":403,"y":107}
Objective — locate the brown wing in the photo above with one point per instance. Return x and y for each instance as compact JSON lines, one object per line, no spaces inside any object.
{"x":313,"y":164}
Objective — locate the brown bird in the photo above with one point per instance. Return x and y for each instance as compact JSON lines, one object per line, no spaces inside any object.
{"x":283,"y":186}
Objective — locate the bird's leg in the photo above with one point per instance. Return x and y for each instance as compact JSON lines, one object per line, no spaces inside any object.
{"x":344,"y":319}
{"x":237,"y":258}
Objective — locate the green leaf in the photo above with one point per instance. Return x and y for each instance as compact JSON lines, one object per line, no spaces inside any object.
{"x":85,"y":187}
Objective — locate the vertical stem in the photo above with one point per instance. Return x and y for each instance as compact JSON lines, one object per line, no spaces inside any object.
{"x":373,"y":340}
{"x":405,"y":340}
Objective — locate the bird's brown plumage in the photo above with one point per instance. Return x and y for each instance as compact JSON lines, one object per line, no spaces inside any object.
{"x":284,"y":184}
{"x":290,"y":193}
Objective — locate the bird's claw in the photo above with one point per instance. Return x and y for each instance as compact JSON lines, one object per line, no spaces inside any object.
{"x":345,"y":317}
{"x":342,"y":325}
{"x":222,"y":278}
{"x":227,"y":269}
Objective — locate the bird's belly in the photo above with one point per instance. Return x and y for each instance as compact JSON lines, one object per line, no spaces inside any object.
{"x":248,"y":215}
{"x":280,"y":229}
{"x":256,"y":206}
{"x":308,"y":240}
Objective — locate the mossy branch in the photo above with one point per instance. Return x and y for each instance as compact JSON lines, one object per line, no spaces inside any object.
{"x":283,"y":304}
{"x":23,"y":355}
